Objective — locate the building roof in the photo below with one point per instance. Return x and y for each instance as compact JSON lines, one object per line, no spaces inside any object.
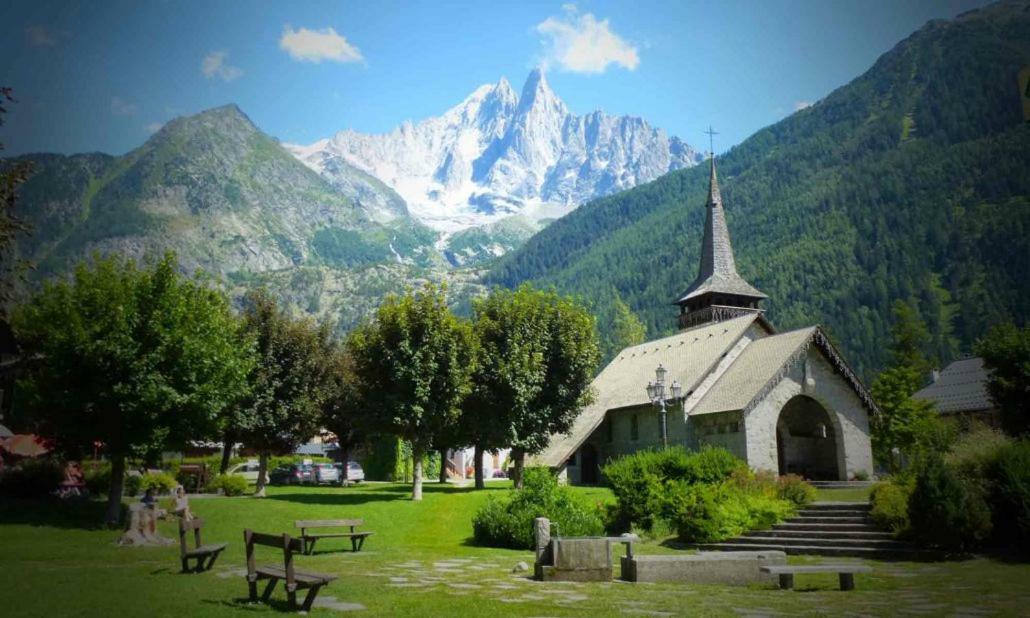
{"x":960,"y":387}
{"x":760,"y":362}
{"x":689,"y":356}
{"x":718,"y":271}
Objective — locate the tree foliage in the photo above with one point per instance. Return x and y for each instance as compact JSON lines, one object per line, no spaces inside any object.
{"x":1006,"y":353}
{"x":414,"y":362}
{"x":538,"y":354}
{"x":12,"y":174}
{"x":289,"y":384}
{"x":138,"y":358}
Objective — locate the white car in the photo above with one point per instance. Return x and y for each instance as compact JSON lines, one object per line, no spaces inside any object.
{"x":248,"y":470}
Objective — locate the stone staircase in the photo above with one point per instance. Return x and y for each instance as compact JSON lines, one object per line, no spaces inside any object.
{"x":824,"y":529}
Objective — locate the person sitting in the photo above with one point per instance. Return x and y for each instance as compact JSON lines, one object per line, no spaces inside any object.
{"x":148,"y":499}
{"x":181,"y":506}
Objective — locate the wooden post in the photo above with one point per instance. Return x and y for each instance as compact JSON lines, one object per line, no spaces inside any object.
{"x":847,"y":581}
{"x":542,"y":535}
{"x":786,"y":581}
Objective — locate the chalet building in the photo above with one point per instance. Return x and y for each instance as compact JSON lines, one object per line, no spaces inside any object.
{"x":784,"y":402}
{"x":959,"y":392}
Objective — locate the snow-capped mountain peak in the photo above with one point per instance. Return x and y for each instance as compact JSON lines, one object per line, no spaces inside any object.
{"x":497,"y":154}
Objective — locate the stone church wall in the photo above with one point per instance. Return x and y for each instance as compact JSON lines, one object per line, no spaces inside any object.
{"x":847,"y":414}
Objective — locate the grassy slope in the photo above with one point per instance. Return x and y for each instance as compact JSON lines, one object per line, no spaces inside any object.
{"x":53,"y":566}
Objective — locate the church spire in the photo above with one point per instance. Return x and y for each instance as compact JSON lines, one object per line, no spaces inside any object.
{"x":718,"y":288}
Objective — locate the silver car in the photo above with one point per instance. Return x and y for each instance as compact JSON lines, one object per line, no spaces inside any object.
{"x":355,"y":474}
{"x":325,"y":474}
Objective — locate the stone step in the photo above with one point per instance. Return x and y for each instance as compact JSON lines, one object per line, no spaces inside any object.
{"x":838,"y":506}
{"x":843,"y":519}
{"x":820,"y":527}
{"x":834,"y":514}
{"x":841,"y":484}
{"x":817,"y":541}
{"x":818,"y":550}
{"x":824,"y":534}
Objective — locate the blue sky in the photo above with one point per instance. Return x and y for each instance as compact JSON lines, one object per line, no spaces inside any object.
{"x":100,"y":76}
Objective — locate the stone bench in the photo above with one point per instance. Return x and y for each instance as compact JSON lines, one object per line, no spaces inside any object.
{"x":846,"y":573}
{"x":731,"y":568}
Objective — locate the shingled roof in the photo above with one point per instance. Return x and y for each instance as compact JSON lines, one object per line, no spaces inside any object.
{"x":718,"y":272}
{"x":961,"y":387}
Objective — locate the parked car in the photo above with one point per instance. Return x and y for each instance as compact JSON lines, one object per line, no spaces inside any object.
{"x":354,"y":472}
{"x":326,"y":474}
{"x":291,"y":474}
{"x":248,"y":470}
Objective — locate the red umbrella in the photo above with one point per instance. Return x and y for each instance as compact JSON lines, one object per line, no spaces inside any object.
{"x":25,"y":445}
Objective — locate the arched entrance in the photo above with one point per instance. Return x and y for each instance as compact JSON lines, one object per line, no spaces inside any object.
{"x":588,"y":465}
{"x":806,"y":441}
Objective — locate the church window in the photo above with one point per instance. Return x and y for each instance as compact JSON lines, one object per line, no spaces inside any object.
{"x":634,"y":429}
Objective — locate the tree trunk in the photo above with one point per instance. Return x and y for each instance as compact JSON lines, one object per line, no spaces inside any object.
{"x":416,"y":475}
{"x":443,"y":466}
{"x":519,"y":456}
{"x":114,"y":494}
{"x":262,"y":480}
{"x":478,"y":465}
{"x":345,"y":456}
{"x":227,"y":444}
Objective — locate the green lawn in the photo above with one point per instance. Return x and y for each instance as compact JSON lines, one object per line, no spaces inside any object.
{"x":419,"y":562}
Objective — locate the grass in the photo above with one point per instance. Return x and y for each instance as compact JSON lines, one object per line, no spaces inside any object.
{"x":421,"y":561}
{"x":850,"y":494}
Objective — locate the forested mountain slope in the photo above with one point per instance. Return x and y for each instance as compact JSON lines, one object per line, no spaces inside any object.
{"x":911,"y":183}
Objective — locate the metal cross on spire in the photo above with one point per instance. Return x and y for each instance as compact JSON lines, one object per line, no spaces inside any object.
{"x":711,"y":140}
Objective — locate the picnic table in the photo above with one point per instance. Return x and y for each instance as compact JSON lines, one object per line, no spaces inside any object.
{"x":357,"y":538}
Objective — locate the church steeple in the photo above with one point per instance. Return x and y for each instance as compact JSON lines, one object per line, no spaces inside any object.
{"x":719,"y":291}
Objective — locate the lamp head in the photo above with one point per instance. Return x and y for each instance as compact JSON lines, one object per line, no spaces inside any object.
{"x":660,"y":374}
{"x":677,"y":390}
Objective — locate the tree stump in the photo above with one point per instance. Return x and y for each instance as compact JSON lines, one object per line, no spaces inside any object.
{"x":141,"y":528}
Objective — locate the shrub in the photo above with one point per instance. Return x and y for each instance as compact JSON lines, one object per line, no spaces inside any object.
{"x":945,"y":510}
{"x":229,"y":484}
{"x":709,"y":513}
{"x":975,"y":452}
{"x":860,"y":475}
{"x":507,"y":521}
{"x":1010,"y":493}
{"x":644,"y":481}
{"x":794,"y":489}
{"x":31,"y":478}
{"x":97,"y":477}
{"x":890,"y":505}
{"x":160,"y":482}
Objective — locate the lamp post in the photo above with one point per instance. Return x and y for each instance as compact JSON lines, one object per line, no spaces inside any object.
{"x":656,"y":392}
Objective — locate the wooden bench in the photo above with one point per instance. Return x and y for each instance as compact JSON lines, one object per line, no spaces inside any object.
{"x":205,"y":555}
{"x":295,"y":579}
{"x":846,"y":572}
{"x":357,"y":539}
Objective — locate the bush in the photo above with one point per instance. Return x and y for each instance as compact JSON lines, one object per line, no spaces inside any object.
{"x":794,"y":489}
{"x":508,"y":521}
{"x":97,"y":477}
{"x":1010,"y":493}
{"x":160,"y":482}
{"x":945,"y":510}
{"x":644,"y":482}
{"x":708,"y":513}
{"x":31,"y":478}
{"x":976,"y":451}
{"x":890,"y":505}
{"x":229,"y":484}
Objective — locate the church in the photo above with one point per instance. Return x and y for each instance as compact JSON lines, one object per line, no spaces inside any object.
{"x":784,"y":402}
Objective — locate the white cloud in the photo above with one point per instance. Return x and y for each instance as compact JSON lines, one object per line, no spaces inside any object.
{"x":153,"y":127}
{"x":216,"y":64}
{"x":40,"y":37}
{"x":318,"y":45}
{"x":800,"y":105}
{"x":121,"y":107}
{"x":581,"y":44}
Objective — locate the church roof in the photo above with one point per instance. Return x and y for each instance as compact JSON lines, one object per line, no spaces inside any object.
{"x":692,"y":355}
{"x":960,"y":387}
{"x":718,"y":271}
{"x":689,"y":356}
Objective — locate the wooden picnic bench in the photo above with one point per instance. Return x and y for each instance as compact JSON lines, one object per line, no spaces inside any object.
{"x":357,"y":539}
{"x":205,"y":555}
{"x":846,"y":573}
{"x":295,"y":579}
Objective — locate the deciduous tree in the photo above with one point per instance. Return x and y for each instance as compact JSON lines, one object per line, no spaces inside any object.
{"x":139,"y":358}
{"x":1006,"y":353}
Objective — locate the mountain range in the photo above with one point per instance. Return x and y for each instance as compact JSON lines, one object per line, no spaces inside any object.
{"x":910,"y":183}
{"x":499,"y":155}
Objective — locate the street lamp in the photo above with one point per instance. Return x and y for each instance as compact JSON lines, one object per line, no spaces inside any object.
{"x":656,"y":392}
